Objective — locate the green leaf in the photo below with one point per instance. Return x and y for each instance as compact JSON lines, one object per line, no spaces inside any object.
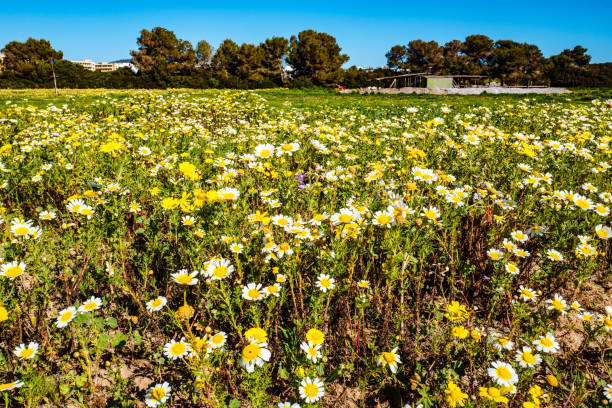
{"x":111,"y":322}
{"x":283,"y":373}
{"x":234,"y":403}
{"x":137,"y":338}
{"x":118,"y":340}
{"x":103,"y":341}
{"x":333,"y":375}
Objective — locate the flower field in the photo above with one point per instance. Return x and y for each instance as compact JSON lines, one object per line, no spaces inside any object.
{"x":270,"y":249}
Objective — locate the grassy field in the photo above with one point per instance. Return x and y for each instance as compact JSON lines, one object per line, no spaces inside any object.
{"x":291,"y":248}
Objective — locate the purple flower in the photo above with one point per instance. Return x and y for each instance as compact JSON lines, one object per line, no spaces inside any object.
{"x":300,"y":180}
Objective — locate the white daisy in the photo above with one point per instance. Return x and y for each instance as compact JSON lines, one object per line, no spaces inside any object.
{"x":503,"y":374}
{"x":26,"y":352}
{"x":158,"y":394}
{"x":546,"y":344}
{"x":311,"y":390}
{"x":65,"y":316}
{"x":254,"y":354}
{"x":91,"y":304}
{"x":156,"y":304}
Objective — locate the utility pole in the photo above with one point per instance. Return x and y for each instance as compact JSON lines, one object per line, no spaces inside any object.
{"x":54,"y":80}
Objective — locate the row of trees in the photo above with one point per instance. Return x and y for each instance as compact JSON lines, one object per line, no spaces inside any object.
{"x":315,"y":58}
{"x":312,"y":55}
{"x":510,"y":61}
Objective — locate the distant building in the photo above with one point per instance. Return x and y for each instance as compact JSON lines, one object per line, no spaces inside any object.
{"x":85,"y":63}
{"x":104,"y":66}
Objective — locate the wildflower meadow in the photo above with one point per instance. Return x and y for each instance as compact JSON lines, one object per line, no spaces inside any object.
{"x":293,"y":249}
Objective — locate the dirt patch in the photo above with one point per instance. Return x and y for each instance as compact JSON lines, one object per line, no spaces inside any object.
{"x":460,"y":91}
{"x":342,"y":396}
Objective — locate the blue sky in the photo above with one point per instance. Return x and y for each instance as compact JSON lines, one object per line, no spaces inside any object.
{"x":107,"y":30}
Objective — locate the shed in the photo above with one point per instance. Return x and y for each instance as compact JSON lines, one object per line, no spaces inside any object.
{"x":426,"y":80}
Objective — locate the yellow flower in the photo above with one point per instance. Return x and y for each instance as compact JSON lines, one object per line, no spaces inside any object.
{"x":257,"y":333}
{"x":170,"y":203}
{"x":454,"y":396}
{"x":3,"y":314}
{"x":315,"y":336}
{"x":456,"y":312}
{"x":460,"y":332}
{"x":475,"y":335}
{"x":552,"y":380}
{"x":110,"y":147}
{"x":493,"y":394}
{"x":187,"y":168}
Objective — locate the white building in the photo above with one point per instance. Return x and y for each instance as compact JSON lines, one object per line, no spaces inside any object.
{"x":85,"y":63}
{"x":104,"y":66}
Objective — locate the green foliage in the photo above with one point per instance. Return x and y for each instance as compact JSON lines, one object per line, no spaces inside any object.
{"x":316,"y":56}
{"x":159,"y":49}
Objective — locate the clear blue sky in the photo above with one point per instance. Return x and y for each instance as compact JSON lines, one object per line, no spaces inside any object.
{"x":107,"y":30}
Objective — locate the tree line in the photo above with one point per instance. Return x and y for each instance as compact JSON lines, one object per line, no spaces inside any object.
{"x":315,"y":59}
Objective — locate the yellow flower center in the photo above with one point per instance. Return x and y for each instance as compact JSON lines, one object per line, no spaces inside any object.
{"x":220,"y":271}
{"x":157,"y":394}
{"x":13,"y":271}
{"x":156,"y":303}
{"x":21,"y":230}
{"x":546,"y":342}
{"x":253,"y":293}
{"x":26,"y":353}
{"x":503,"y":373}
{"x":383,"y":219}
{"x":311,"y":390}
{"x":90,"y":306}
{"x":582,"y":203}
{"x":251,"y":352}
{"x":345,"y":218}
{"x":388,"y":358}
{"x":66,"y":316}
{"x":184,"y":279}
{"x":431,"y":214}
{"x":217,"y":339}
{"x":326,"y":283}
{"x":528,"y":358}
{"x":265,"y":153}
{"x":7,"y":385}
{"x":177,"y":349}
{"x":557,"y":304}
